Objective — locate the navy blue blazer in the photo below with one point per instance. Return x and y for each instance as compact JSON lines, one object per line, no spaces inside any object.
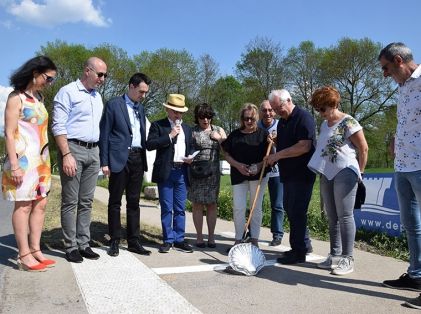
{"x":159,"y":139}
{"x":115,"y":137}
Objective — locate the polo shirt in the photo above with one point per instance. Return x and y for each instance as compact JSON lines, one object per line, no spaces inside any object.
{"x":299,"y":126}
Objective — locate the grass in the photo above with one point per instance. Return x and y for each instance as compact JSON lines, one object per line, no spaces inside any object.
{"x":52,"y":236}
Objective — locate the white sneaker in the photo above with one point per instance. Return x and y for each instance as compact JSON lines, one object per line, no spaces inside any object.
{"x":331,"y":262}
{"x":345,"y":266}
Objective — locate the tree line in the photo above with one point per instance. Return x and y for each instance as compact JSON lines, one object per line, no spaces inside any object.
{"x":350,"y":65}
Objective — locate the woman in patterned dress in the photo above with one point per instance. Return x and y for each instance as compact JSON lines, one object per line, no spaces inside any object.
{"x":203,"y":192}
{"x":340,"y":157}
{"x":27,"y":172}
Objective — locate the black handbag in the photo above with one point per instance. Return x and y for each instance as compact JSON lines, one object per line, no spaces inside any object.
{"x":201,"y":169}
{"x":360,"y":197}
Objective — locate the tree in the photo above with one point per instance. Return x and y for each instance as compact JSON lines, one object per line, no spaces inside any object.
{"x":302,"y":66}
{"x":261,"y":69}
{"x":352,"y":67}
{"x":208,"y":74}
{"x":228,"y":97}
{"x":171,"y":71}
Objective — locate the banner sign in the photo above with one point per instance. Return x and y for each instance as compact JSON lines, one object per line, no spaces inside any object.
{"x":380,"y":212}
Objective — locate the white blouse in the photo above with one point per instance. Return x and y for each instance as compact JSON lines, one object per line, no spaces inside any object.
{"x":334,"y":150}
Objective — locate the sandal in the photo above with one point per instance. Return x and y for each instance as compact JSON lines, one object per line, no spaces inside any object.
{"x":24,"y":267}
{"x":47,"y":262}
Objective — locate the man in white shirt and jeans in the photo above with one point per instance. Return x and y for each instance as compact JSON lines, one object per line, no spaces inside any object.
{"x":397,"y":61}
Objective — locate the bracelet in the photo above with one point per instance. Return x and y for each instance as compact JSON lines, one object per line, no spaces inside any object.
{"x":66,"y":154}
{"x":15,"y":169}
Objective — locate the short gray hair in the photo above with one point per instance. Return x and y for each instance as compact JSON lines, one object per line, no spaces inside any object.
{"x":396,"y":49}
{"x":282,"y":94}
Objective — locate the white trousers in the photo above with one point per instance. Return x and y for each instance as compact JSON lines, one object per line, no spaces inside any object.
{"x":240,"y":193}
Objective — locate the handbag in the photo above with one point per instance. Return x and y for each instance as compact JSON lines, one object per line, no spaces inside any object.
{"x":360,"y":197}
{"x":201,"y":169}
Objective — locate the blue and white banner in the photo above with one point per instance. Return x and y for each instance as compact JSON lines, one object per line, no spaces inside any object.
{"x":380,"y":212}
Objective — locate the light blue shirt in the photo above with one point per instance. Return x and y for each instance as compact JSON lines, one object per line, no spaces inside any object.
{"x":134,"y":122}
{"x":77,"y":112}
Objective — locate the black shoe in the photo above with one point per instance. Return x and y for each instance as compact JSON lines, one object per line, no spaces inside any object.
{"x":183,"y":246}
{"x":291,"y":257}
{"x":211,"y":245}
{"x":74,"y":256}
{"x":114,"y":250}
{"x":137,"y":248}
{"x":88,"y":253}
{"x":201,"y":245}
{"x":309,"y":250}
{"x":404,"y":282}
{"x":165,"y":248}
{"x":275,"y":242}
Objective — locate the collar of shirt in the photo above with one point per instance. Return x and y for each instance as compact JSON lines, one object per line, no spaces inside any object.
{"x":81,"y":87}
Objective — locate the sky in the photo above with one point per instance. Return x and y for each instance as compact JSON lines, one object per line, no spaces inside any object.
{"x":220,"y":28}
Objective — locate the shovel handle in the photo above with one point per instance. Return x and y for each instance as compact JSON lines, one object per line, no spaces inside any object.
{"x":246,"y":226}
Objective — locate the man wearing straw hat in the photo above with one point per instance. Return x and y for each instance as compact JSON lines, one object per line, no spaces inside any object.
{"x":172,"y":140}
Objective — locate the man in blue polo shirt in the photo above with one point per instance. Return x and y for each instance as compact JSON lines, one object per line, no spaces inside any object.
{"x":295,"y":144}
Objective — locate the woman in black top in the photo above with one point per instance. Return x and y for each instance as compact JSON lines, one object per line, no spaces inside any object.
{"x":244,"y":151}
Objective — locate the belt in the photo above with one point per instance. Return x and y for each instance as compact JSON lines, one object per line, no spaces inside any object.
{"x":177,"y":165}
{"x":135,"y":149}
{"x":82,"y":143}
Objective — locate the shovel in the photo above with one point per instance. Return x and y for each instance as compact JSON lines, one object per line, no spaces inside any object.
{"x":247,"y":258}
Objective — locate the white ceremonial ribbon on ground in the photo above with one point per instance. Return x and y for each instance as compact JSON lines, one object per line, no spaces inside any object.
{"x":123,"y":284}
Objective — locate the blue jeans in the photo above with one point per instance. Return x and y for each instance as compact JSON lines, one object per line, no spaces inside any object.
{"x":172,"y":198}
{"x":408,"y":189}
{"x":276,"y":193}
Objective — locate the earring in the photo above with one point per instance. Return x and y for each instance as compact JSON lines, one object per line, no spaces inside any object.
{"x":34,"y":81}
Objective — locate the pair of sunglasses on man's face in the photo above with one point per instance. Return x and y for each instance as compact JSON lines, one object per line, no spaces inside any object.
{"x":99,"y":74}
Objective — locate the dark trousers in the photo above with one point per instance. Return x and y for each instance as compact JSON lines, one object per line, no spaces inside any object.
{"x":129,"y":180}
{"x":297,"y":197}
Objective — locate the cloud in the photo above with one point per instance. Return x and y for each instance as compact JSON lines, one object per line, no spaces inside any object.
{"x":51,"y":13}
{"x":4,"y":92}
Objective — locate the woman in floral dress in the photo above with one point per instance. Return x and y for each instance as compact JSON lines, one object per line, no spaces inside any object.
{"x":340,"y":158}
{"x":26,"y":177}
{"x":203,"y":192}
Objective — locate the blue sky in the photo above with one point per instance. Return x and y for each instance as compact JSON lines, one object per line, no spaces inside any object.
{"x":221,"y":28}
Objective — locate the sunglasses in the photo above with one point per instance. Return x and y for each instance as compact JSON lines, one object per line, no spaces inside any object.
{"x":205,"y":117}
{"x":322,"y":109}
{"x":267,"y":110}
{"x":49,"y":79}
{"x":99,"y":74}
{"x":247,"y":119}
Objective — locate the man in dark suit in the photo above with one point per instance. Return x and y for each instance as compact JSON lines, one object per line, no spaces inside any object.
{"x":172,"y":140}
{"x":122,"y":146}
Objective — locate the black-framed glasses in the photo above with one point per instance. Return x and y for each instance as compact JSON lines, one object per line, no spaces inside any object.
{"x":99,"y":74}
{"x":249,"y":119}
{"x":49,"y":79}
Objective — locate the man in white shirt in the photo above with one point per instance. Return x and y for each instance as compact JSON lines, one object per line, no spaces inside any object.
{"x":397,"y":61}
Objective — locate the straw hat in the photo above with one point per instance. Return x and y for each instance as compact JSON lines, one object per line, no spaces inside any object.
{"x":176,"y":102}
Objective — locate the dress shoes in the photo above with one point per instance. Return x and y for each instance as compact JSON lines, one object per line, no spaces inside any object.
{"x":88,"y":253}
{"x":114,"y":250}
{"x":165,"y":247}
{"x":292,"y":257}
{"x":74,"y":257}
{"x":137,"y":248}
{"x":183,"y":247}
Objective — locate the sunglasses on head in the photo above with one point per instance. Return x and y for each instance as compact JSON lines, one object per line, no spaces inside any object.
{"x":48,"y":79}
{"x":99,"y":74}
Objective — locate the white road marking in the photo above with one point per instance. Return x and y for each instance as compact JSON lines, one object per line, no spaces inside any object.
{"x":123,"y":284}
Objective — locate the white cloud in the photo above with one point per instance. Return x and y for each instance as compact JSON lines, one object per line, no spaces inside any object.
{"x":50,"y":13}
{"x":4,"y":92}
